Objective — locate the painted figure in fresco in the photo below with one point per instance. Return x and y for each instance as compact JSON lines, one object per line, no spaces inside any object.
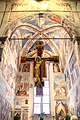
{"x":25,"y":116}
{"x":56,"y":68}
{"x":26,"y":67}
{"x":22,"y":87}
{"x":21,"y":90}
{"x":61,"y":92}
{"x":61,"y":118}
{"x":61,"y":110}
{"x":16,"y":116}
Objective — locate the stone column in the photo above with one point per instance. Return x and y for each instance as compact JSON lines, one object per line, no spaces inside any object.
{"x":31,"y":90}
{"x":47,"y":70}
{"x":52,"y":90}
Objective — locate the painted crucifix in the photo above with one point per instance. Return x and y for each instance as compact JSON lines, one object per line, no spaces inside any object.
{"x":39,"y":70}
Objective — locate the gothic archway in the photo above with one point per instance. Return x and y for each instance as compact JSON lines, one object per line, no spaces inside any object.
{"x":54,"y":31}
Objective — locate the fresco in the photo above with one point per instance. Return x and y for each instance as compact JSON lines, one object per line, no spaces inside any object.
{"x":24,"y":67}
{"x":56,"y":67}
{"x":5,"y":109}
{"x":8,"y":74}
{"x":7,"y":82}
{"x":17,"y":115}
{"x":75,"y":99}
{"x":18,"y":103}
{"x":59,"y":86}
{"x":77,"y":92}
{"x":22,"y":85}
{"x":78,"y":109}
{"x":73,"y":84}
{"x":72,"y":71}
{"x":61,"y":108}
{"x":8,"y":64}
{"x":25,"y":115}
{"x":29,"y":27}
{"x":68,"y":49}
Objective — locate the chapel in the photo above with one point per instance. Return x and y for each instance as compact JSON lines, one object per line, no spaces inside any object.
{"x":39,"y":60}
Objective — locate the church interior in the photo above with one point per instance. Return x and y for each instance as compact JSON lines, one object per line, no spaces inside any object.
{"x":39,"y":60}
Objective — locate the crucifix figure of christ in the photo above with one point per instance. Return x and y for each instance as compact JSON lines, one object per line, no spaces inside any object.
{"x":39,"y":63}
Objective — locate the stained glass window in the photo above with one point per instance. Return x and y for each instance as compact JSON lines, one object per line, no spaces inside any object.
{"x":42,"y":103}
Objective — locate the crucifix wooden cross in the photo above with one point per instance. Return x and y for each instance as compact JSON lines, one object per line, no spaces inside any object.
{"x":39,"y":63}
